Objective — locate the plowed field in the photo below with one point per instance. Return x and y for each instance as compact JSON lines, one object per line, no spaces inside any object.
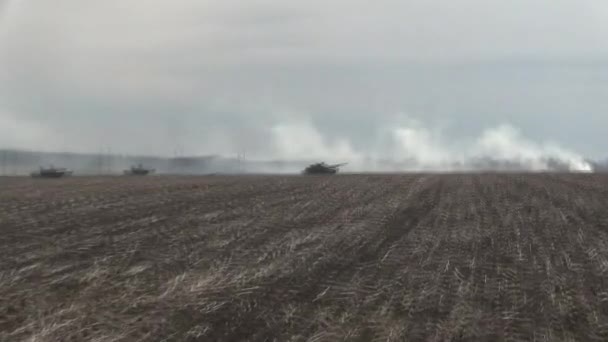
{"x":484,"y":257}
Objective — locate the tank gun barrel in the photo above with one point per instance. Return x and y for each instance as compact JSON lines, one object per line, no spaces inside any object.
{"x":322,"y":168}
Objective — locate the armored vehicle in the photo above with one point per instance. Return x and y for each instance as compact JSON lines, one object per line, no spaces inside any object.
{"x":52,"y":172}
{"x":139,"y":170}
{"x":322,"y":169}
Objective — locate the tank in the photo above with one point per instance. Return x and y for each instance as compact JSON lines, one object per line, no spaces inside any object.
{"x":322,"y":169}
{"x":51,"y":172}
{"x":139,"y":170}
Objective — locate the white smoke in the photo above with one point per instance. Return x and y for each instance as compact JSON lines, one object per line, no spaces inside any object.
{"x":302,"y":140}
{"x":506,"y":143}
{"x":413,"y":147}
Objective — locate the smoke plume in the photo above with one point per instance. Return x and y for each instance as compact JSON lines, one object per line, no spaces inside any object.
{"x":414,"y":147}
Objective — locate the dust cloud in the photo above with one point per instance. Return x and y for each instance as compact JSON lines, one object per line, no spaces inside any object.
{"x":292,"y":145}
{"x":415,"y":147}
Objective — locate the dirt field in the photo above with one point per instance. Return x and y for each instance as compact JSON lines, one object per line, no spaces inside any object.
{"x":359,"y":258}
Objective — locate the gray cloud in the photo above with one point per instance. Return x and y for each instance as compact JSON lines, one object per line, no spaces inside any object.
{"x":223,"y":77}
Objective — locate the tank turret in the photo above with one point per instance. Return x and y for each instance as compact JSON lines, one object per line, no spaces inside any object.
{"x":139,"y":170}
{"x":51,"y":172}
{"x":322,"y":169}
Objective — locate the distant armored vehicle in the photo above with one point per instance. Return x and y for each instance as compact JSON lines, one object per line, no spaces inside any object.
{"x":52,"y":172}
{"x":322,"y":169}
{"x":139,"y":170}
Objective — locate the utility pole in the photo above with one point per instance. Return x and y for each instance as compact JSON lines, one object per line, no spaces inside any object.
{"x":240,"y":159}
{"x":177,"y":159}
{"x":15,"y":162}
{"x":4,"y":152}
{"x":110,"y":160}
{"x":100,"y":162}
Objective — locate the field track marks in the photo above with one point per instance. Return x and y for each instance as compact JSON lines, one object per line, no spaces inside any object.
{"x":462,"y":257}
{"x":331,"y":251}
{"x":573,"y":244}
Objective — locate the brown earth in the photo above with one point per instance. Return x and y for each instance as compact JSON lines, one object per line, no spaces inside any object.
{"x":361,"y":258}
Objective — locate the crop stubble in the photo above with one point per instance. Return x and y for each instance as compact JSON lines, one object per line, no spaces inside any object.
{"x":357,"y":257}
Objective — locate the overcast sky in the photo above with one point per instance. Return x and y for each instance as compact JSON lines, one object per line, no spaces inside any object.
{"x":305,"y":79}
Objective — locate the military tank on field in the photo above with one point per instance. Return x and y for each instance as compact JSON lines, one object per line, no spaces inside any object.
{"x":51,"y":172}
{"x":322,"y":169}
{"x":139,"y":170}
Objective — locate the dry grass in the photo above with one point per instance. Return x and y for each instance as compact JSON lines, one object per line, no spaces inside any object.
{"x":360,"y":258}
